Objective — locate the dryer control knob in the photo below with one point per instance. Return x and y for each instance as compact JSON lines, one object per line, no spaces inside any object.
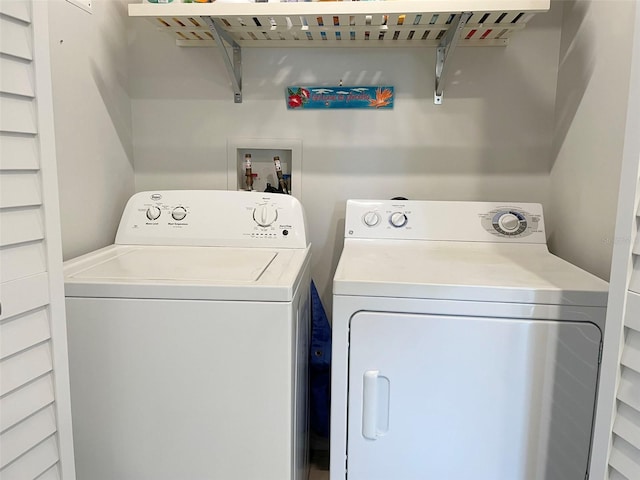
{"x":265,"y":215}
{"x":398,"y":219}
{"x":153,"y":213}
{"x":509,"y":222}
{"x":179,"y":213}
{"x":371,"y":219}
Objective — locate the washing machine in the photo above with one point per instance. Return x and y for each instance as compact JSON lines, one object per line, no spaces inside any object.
{"x":462,"y":349}
{"x":188,"y":341}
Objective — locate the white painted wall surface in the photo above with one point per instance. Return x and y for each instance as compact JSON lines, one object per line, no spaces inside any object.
{"x":92,"y":120}
{"x":490,"y":140}
{"x":593,"y":87}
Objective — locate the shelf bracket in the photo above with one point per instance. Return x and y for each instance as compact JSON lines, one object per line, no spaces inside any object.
{"x":234,"y":65}
{"x":447,"y":45}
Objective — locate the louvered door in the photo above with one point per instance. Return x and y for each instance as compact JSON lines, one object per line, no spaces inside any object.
{"x":35,"y":420}
{"x":624,"y":459}
{"x":619,"y":403}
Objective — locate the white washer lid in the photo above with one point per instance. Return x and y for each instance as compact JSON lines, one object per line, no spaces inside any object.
{"x":208,"y":273}
{"x":182,"y":264}
{"x":509,"y":273}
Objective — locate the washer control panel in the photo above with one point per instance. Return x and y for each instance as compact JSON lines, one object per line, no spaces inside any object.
{"x":445,"y":221}
{"x":213,"y":218}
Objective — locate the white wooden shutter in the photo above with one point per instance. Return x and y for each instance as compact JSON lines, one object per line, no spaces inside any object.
{"x":35,"y":418}
{"x":616,"y":442}
{"x":624,"y":459}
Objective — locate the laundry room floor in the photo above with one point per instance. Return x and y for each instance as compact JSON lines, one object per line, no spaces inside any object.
{"x":319,"y":469}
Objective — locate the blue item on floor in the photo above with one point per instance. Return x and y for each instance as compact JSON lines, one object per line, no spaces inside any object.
{"x":319,"y":366}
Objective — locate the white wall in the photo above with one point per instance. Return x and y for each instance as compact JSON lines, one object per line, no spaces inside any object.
{"x":92,"y":120}
{"x":593,"y":88}
{"x":490,"y":140}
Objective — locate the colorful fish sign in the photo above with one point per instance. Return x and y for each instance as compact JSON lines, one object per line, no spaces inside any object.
{"x":303,"y":98}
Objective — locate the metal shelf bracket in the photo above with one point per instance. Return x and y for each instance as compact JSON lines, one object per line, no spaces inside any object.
{"x":445,"y":50}
{"x":234,"y":65}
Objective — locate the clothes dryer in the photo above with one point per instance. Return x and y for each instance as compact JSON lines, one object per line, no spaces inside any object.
{"x":462,"y":348}
{"x":188,"y":341}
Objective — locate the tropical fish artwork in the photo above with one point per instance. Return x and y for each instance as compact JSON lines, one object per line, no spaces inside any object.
{"x":305,"y":98}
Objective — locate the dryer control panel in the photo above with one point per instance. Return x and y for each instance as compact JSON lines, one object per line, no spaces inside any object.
{"x":510,"y":221}
{"x":213,"y":218}
{"x":445,"y":221}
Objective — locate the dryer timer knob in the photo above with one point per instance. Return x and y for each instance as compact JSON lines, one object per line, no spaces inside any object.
{"x":509,"y":222}
{"x":398,"y":219}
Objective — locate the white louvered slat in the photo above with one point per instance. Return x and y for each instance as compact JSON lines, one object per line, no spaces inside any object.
{"x":17,"y":10}
{"x":18,"y":370}
{"x":629,"y":270}
{"x":16,"y":301}
{"x":18,"y":152}
{"x":52,"y":474}
{"x":17,"y":334}
{"x":26,"y":435}
{"x":632,"y":315}
{"x":625,"y":459}
{"x":24,"y":402}
{"x":16,"y":77}
{"x":18,"y":115}
{"x":627,"y":425}
{"x":636,"y":237}
{"x":634,"y":283}
{"x":629,"y":388}
{"x":20,"y":189}
{"x":631,"y":353}
{"x":20,"y":226}
{"x":636,"y":242}
{"x":34,"y":463}
{"x":616,"y":476}
{"x":23,"y":260}
{"x":15,"y":38}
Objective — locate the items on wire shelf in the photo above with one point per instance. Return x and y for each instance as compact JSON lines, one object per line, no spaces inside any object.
{"x":240,"y":1}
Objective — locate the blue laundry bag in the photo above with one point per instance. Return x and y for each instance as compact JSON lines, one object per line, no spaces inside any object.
{"x":319,"y":366}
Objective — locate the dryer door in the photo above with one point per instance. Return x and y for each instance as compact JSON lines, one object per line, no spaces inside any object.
{"x":457,"y":398}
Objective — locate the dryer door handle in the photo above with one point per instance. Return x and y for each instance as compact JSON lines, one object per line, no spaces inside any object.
{"x":375,"y":404}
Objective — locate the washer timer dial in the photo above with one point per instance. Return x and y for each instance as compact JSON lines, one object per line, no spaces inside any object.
{"x":265,"y":215}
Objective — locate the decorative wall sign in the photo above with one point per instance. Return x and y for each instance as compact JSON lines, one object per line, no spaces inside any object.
{"x":303,"y":98}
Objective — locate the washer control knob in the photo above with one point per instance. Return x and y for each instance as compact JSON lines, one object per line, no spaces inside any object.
{"x":509,"y":222}
{"x":371,"y":219}
{"x":179,"y":213}
{"x":265,"y":215}
{"x":153,"y":213}
{"x":398,"y":219}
